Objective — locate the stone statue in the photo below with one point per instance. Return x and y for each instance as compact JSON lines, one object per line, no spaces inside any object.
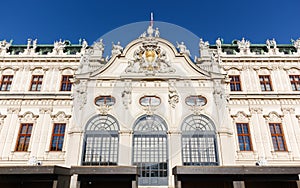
{"x":28,"y":50}
{"x":4,"y":46}
{"x":182,"y":48}
{"x":274,"y":50}
{"x":98,"y":48}
{"x":84,"y":45}
{"x":296,"y":44}
{"x":244,"y":47}
{"x":150,"y":31}
{"x":117,"y":49}
{"x":156,"y":34}
{"x":59,"y":47}
{"x":219,"y":46}
{"x":203,"y":45}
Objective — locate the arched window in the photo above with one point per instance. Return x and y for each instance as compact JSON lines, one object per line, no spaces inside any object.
{"x":150,"y":150}
{"x":199,"y":144}
{"x":101,"y":141}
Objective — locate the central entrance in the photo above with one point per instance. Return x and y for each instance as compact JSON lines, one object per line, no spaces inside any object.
{"x":150,"y":151}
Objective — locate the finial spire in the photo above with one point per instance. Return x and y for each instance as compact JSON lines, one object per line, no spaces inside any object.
{"x":151,"y":19}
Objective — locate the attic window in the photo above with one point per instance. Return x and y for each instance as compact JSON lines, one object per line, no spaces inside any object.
{"x":150,"y":101}
{"x":105,"y":100}
{"x":195,"y":100}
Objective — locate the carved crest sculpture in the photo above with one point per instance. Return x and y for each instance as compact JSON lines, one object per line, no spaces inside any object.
{"x":149,"y":58}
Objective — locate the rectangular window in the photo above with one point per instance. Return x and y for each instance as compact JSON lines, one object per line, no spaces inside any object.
{"x":235,"y":83}
{"x":295,"y":82}
{"x":66,"y":84}
{"x":24,"y":137}
{"x":6,"y":82}
{"x":265,"y":83}
{"x":36,"y":83}
{"x":277,"y":137}
{"x":244,"y":136}
{"x":58,"y":135}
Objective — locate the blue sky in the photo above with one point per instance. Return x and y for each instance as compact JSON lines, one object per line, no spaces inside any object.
{"x":256,"y":20}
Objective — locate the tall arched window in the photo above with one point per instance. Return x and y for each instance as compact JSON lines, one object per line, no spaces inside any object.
{"x":101,"y":141}
{"x":150,"y":150}
{"x":199,"y":144}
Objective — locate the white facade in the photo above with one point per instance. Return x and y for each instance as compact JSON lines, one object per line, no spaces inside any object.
{"x":152,"y":66}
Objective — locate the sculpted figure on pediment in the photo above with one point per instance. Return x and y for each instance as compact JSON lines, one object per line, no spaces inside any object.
{"x":117,"y":49}
{"x":183,"y":49}
{"x":98,"y":48}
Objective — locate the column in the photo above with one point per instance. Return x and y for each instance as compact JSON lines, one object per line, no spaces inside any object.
{"x":12,"y":126}
{"x":175,"y":159}
{"x":125,"y":147}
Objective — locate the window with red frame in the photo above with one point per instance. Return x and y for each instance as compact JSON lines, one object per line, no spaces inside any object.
{"x":277,"y":137}
{"x":66,"y":84}
{"x":265,"y":83}
{"x":244,"y":136}
{"x":58,"y":135}
{"x":6,"y":82}
{"x":36,"y":83}
{"x":24,"y":137}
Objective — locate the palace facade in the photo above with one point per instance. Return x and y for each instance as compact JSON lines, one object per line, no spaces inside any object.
{"x":149,"y":115}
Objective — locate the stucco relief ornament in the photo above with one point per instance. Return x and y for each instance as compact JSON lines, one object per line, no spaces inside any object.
{"x":149,"y":58}
{"x":126,"y":95}
{"x":244,"y":47}
{"x":81,"y":89}
{"x":104,"y":109}
{"x":4,"y":46}
{"x":28,"y":50}
{"x":173,"y":95}
{"x":58,"y":48}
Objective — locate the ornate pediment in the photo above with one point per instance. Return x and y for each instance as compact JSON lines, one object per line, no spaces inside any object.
{"x":149,"y":58}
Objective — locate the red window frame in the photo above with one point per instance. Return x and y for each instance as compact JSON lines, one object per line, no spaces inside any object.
{"x":277,"y":135}
{"x":24,"y":137}
{"x":265,"y":83}
{"x":36,"y":83}
{"x":295,"y":82}
{"x":244,"y":136}
{"x":58,"y":135}
{"x":6,"y":82}
{"x":235,"y":83}
{"x":66,"y":84}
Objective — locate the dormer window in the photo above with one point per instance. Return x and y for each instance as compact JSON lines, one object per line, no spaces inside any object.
{"x":150,"y":101}
{"x":195,"y":100}
{"x":105,"y":101}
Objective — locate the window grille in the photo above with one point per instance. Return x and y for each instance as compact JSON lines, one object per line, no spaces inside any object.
{"x":199,"y":144}
{"x":150,"y":151}
{"x":101,"y":143}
